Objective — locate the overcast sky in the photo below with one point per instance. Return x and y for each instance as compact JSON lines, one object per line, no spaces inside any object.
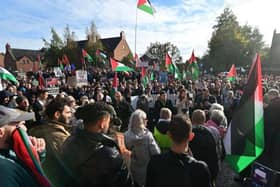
{"x":185,"y":23}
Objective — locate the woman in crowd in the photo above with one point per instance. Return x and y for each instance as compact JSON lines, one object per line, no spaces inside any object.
{"x":141,"y":142}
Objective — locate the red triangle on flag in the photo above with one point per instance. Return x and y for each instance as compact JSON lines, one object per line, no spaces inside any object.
{"x":141,"y":2}
{"x":192,"y":58}
{"x":168,"y":60}
{"x":114,"y":63}
{"x":232,"y":72}
{"x":143,"y":72}
{"x":84,"y":53}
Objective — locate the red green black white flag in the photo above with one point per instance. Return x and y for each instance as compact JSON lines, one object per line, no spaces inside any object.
{"x":232,"y":74}
{"x":86,"y":56}
{"x":117,"y":66}
{"x":244,"y":140}
{"x":146,"y":6}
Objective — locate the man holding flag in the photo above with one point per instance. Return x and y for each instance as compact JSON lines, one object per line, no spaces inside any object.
{"x":19,"y":158}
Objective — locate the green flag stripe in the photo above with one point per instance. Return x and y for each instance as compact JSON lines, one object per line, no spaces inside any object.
{"x":239,"y":162}
{"x":123,"y":68}
{"x":147,"y":9}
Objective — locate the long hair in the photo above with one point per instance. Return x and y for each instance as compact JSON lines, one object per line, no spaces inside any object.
{"x":137,"y":122}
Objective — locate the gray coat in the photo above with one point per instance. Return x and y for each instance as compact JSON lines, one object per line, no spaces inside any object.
{"x":143,"y":146}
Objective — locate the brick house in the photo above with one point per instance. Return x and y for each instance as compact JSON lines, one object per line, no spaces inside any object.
{"x":22,"y":60}
{"x":115,"y":47}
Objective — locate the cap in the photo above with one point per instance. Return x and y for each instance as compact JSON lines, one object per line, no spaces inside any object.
{"x":5,"y":93}
{"x":8,"y":115}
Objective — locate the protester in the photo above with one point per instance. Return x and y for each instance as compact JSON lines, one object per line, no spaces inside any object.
{"x":161,"y":128}
{"x":93,"y":158}
{"x":142,"y":144}
{"x":39,"y":106}
{"x":161,"y":102}
{"x":123,"y":109}
{"x":176,"y":168}
{"x":204,"y":146}
{"x":14,"y":171}
{"x":55,"y":132}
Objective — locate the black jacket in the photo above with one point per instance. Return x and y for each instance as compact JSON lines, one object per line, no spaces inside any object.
{"x":159,"y":104}
{"x":94,"y":159}
{"x":123,"y":110}
{"x":172,"y":169}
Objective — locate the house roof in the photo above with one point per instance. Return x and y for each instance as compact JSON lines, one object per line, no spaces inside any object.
{"x":82,"y":43}
{"x":110,"y":44}
{"x":16,"y":54}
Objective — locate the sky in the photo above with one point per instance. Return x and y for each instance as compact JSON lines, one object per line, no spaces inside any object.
{"x":185,"y":23}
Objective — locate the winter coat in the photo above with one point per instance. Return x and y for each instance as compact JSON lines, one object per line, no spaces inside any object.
{"x":143,"y":146}
{"x":94,"y":159}
{"x":55,"y":134}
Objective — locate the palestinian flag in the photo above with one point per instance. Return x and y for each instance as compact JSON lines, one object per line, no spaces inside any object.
{"x":41,"y":80}
{"x":232,"y":73}
{"x":193,"y":66}
{"x":144,"y":77}
{"x":29,"y":156}
{"x":6,"y":75}
{"x":100,"y":53}
{"x":87,"y":56}
{"x":115,"y":83}
{"x":137,"y":61}
{"x":171,"y":68}
{"x":152,"y":76}
{"x":60,"y":64}
{"x":244,"y":140}
{"x":146,"y":6}
{"x":117,"y":66}
{"x":65,"y":60}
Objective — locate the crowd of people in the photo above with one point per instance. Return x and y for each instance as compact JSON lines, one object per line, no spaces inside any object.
{"x":160,"y":134}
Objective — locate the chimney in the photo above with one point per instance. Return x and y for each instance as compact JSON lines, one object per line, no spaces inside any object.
{"x":7,"y":46}
{"x":122,"y":35}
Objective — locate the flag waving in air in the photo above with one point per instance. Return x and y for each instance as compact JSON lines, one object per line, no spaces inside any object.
{"x":171,"y":68}
{"x":244,"y":140}
{"x":87,"y":56}
{"x":232,"y":73}
{"x":146,"y":6}
{"x":194,"y":69}
{"x":117,"y":66}
{"x":6,"y":75}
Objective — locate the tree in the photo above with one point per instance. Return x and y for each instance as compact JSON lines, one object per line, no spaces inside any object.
{"x":231,"y":43}
{"x":158,"y":50}
{"x":69,"y":38}
{"x":54,"y":48}
{"x":93,"y":36}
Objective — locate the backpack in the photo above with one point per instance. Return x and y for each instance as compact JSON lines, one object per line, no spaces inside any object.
{"x":204,"y":147}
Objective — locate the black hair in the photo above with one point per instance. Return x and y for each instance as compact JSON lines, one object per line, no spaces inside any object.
{"x":91,"y":113}
{"x":19,"y":99}
{"x":54,"y":106}
{"x":43,"y":91}
{"x":180,"y":128}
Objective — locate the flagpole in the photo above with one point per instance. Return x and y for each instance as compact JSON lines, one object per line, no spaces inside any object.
{"x":136,"y":20}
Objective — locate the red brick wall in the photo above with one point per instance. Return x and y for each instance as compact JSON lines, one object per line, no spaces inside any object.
{"x":25,"y":64}
{"x":122,"y":50}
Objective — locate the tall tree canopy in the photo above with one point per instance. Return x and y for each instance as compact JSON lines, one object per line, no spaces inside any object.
{"x":158,"y":50}
{"x":231,"y":43}
{"x":57,"y":46}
